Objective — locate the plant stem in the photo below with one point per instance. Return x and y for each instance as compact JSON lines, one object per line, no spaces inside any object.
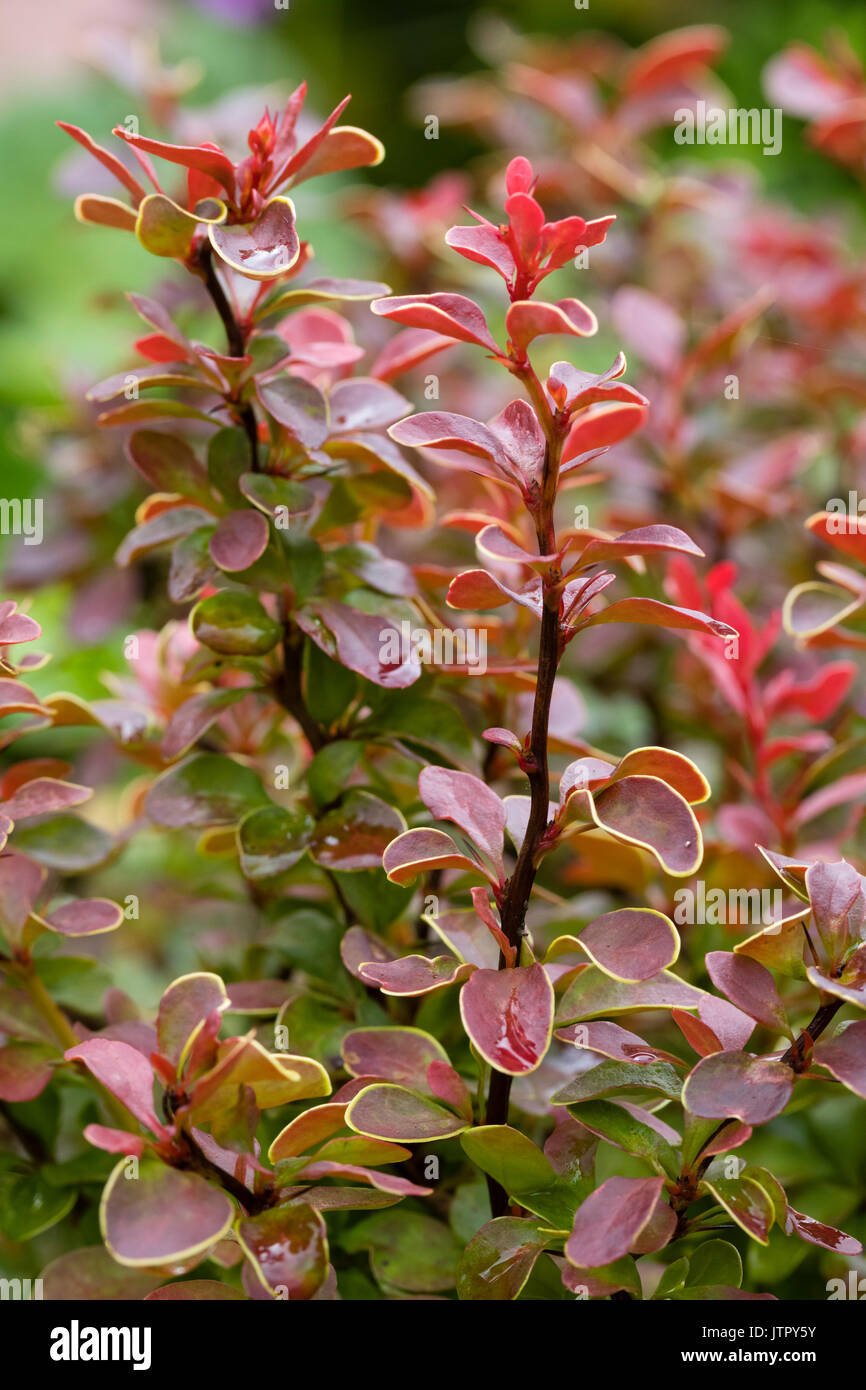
{"x":518,"y":888}
{"x":236,"y":341}
{"x":289,"y":691}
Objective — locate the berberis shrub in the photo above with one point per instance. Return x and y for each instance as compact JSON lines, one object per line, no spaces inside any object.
{"x":431,"y":1033}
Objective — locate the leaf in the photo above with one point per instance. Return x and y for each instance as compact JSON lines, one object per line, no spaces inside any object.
{"x":355,"y":834}
{"x":509,"y":1157}
{"x":161,"y":1217}
{"x":262,"y":249}
{"x":470,"y":804}
{"x":499,"y":1259}
{"x":749,"y":987}
{"x":275,"y":1078}
{"x":631,"y":943}
{"x":408,"y":1249}
{"x":363,"y":642}
{"x":844,"y":1056}
{"x":818,"y":1233}
{"x":205,"y":789}
{"x":320,"y":291}
{"x":298,"y":406}
{"x":599,"y":426}
{"x":123,"y":1071}
{"x":195,"y":716}
{"x":272,"y":839}
{"x":747,"y":1203}
{"x":715,"y":1262}
{"x":184,"y":1006}
{"x":25,"y":1070}
{"x":838,"y":902}
{"x":166,"y":527}
{"x":417,"y":851}
{"x":403,"y":1055}
{"x":414,"y":975}
{"x":647,"y":812}
{"x":196,"y":1291}
{"x":452,"y":315}
{"x":610,"y":1077}
{"x":436,"y":429}
{"x":528,"y":319}
{"x":622,"y":1129}
{"x":730,"y":1085}
{"x":391,"y":1112}
{"x":611,"y":1220}
{"x":235,"y":623}
{"x":29,"y":1205}
{"x":594,"y":995}
{"x":239,"y":540}
{"x":645,"y":540}
{"x":89,"y":1274}
{"x":83,"y":917}
{"x":288,"y":1249}
{"x":656,"y":614}
{"x":508,"y":1015}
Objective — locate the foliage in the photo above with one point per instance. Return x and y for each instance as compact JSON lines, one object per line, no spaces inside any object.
{"x":392,"y":866}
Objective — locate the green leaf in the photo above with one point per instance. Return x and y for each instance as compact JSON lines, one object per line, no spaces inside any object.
{"x":228,"y":456}
{"x":272,"y":839}
{"x":235,"y":623}
{"x":673,"y":1278}
{"x":330,"y":769}
{"x":715,"y":1262}
{"x":628,"y":1078}
{"x":509,"y":1157}
{"x":621,"y":1129}
{"x":205,"y":789}
{"x":330,"y":687}
{"x":306,"y":563}
{"x":65,"y":843}
{"x":375,"y":901}
{"x":408,"y":1250}
{"x":29,"y":1205}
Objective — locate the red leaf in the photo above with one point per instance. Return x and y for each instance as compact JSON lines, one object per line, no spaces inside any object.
{"x":750,"y":987}
{"x":631,"y":943}
{"x":470,"y":804}
{"x":207,"y":159}
{"x":599,"y":426}
{"x":124,"y":1072}
{"x":107,"y":159}
{"x":453,"y":315}
{"x":528,"y":319}
{"x":845,"y":1057}
{"x":508,"y":1015}
{"x":611,"y":1219}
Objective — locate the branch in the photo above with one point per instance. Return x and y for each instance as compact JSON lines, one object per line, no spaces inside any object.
{"x":236,"y":341}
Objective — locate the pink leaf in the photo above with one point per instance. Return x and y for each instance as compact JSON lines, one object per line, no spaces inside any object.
{"x":733,"y":1085}
{"x":239,"y":540}
{"x":124,"y":1072}
{"x":631,"y":943}
{"x":417,"y":851}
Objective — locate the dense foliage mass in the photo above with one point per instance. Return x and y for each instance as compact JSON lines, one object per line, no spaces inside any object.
{"x":439,"y":968}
